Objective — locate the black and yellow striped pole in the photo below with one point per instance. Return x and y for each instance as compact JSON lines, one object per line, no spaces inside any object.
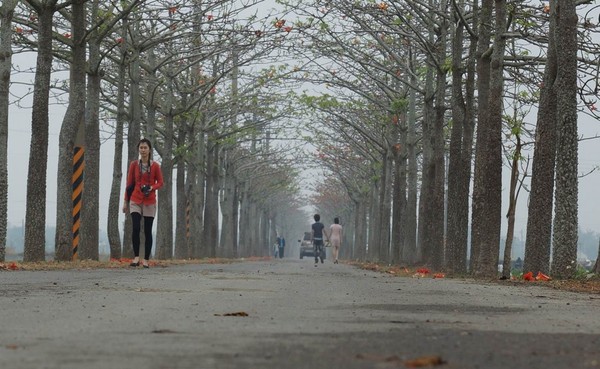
{"x":187,"y":220}
{"x":77,"y":181}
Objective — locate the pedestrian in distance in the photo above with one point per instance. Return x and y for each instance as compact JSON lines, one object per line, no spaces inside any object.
{"x":144,"y":178}
{"x":317,"y":235}
{"x":335,"y":236}
{"x":281,"y":247}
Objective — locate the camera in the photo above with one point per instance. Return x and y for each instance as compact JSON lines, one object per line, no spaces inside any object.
{"x":146,"y":190}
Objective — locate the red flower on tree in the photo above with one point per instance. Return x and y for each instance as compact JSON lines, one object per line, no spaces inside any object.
{"x":546,"y":9}
{"x":279,"y":23}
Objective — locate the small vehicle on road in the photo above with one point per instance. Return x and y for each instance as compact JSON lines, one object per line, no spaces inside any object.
{"x":306,"y":246}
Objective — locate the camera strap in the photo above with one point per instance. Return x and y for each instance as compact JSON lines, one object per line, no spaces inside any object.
{"x":149,"y":168}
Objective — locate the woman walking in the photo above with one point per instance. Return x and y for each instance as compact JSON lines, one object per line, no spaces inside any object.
{"x":143,"y":179}
{"x":335,"y":237}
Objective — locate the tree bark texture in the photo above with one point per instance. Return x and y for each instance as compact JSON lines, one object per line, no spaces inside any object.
{"x":71,"y":121}
{"x":114,"y":239}
{"x":6,"y":15}
{"x":133,"y":135}
{"x":491,"y":160}
{"x":373,"y":225}
{"x":385,"y":208}
{"x":400,"y":155}
{"x":512,"y":208}
{"x":35,"y":214}
{"x":164,"y":232}
{"x":479,"y":213}
{"x":564,"y":253}
{"x":90,"y":217}
{"x":229,"y":212}
{"x":437,"y":218}
{"x":460,"y":152}
{"x":211,"y":208}
{"x":181,"y":244}
{"x":409,"y":248}
{"x":539,"y":214}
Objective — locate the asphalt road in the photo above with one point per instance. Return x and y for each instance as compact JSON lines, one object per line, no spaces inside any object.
{"x":299,"y":316}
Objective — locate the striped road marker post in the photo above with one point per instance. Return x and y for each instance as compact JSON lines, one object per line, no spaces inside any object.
{"x":77,"y":181}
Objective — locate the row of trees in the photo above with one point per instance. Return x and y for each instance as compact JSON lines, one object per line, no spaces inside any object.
{"x":428,"y":97}
{"x":187,"y":75}
{"x":423,"y":99}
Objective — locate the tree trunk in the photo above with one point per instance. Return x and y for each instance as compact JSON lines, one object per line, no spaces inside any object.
{"x":490,"y":197}
{"x":196,"y":196}
{"x":399,"y":193}
{"x":461,"y":142}
{"x":360,"y":226}
{"x":539,"y":215}
{"x":229,"y":212}
{"x":428,"y":174}
{"x":479,"y":221}
{"x":90,"y":218}
{"x":211,"y":208}
{"x":512,"y":207}
{"x":244,"y":221}
{"x":181,"y":244}
{"x":385,"y":209}
{"x":596,"y":268}
{"x":133,"y":132}
{"x":263,"y":240}
{"x":6,"y":15}
{"x":373,"y":224}
{"x":254,"y":228}
{"x":564,"y":254}
{"x":35,"y":215}
{"x":164,"y":232}
{"x":409,"y":248}
{"x":114,"y":239}
{"x":438,"y":159}
{"x":71,"y":121}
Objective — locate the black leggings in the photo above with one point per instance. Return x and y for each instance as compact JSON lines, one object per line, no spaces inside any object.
{"x":135,"y":236}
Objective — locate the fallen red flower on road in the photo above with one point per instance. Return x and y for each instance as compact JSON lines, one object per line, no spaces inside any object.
{"x":528,"y":276}
{"x":424,"y":361}
{"x":542,"y":277}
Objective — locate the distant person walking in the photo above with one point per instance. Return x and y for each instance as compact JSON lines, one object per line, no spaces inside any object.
{"x":143,"y":179}
{"x":281,"y":247}
{"x":335,"y":236}
{"x":317,"y":235}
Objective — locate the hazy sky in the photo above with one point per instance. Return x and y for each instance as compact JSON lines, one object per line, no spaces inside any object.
{"x":18,"y":156}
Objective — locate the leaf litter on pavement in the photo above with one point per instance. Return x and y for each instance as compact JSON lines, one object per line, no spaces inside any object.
{"x":589,"y":284}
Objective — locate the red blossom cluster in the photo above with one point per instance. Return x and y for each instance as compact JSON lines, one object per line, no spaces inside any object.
{"x":539,"y":277}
